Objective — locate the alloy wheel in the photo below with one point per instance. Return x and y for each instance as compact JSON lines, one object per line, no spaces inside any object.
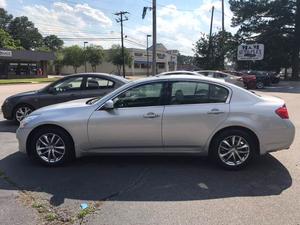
{"x":234,"y":150}
{"x":50,"y":148}
{"x":22,"y":112}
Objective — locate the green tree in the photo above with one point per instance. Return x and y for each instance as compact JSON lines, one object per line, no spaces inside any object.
{"x":274,"y":23}
{"x":94,"y":55}
{"x":115,"y":57}
{"x":53,"y":42}
{"x":213,"y":58}
{"x":6,"y":41}
{"x":5,"y":19}
{"x":73,"y":56}
{"x":59,"y":61}
{"x":20,"y":28}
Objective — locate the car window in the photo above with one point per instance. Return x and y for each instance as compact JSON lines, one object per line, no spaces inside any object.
{"x":70,"y":84}
{"x":98,"y":83}
{"x":144,"y":95}
{"x":196,"y":93}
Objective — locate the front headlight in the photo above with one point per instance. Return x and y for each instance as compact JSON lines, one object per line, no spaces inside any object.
{"x":27,"y":119}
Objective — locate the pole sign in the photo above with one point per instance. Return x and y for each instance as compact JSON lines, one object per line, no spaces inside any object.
{"x":4,"y":53}
{"x":250,"y":52}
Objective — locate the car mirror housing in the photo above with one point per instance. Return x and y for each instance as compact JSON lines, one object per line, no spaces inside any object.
{"x":108,"y":105}
{"x":51,"y":90}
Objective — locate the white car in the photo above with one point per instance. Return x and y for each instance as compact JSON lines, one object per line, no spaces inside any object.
{"x":223,"y":76}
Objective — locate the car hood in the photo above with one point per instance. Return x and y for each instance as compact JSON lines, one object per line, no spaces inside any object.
{"x":22,"y":94}
{"x":63,"y":106}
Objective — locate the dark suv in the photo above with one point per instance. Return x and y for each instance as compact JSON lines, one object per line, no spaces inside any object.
{"x":262,"y":78}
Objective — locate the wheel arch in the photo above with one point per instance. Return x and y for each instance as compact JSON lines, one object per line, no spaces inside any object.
{"x":40,"y":127}
{"x":21,"y":104}
{"x":245,"y":129}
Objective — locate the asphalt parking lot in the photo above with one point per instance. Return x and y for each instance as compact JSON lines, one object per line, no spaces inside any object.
{"x":151,"y":189}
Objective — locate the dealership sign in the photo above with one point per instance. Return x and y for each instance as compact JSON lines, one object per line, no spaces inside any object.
{"x":5,"y":53}
{"x":250,"y":52}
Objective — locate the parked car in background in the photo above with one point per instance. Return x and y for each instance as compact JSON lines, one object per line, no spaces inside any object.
{"x":249,"y":80}
{"x":224,"y":76}
{"x":262,"y":78}
{"x":275,"y":77}
{"x":162,"y":114}
{"x":71,"y":87}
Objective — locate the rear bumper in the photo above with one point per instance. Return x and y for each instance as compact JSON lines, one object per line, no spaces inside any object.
{"x":278,"y":139}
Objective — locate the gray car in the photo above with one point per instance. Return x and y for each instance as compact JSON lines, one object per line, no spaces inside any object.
{"x":71,"y":87}
{"x":163,"y":114}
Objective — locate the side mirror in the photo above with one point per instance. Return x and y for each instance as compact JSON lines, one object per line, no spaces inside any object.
{"x":51,"y":90}
{"x":108,"y":105}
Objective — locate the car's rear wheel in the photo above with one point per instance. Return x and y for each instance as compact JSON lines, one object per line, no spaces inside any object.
{"x":260,"y":84}
{"x":51,"y":146}
{"x":21,"y":111}
{"x":233,"y":149}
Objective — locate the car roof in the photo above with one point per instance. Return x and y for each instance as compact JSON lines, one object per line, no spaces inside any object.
{"x":102,"y":75}
{"x":179,"y":72}
{"x":179,"y":77}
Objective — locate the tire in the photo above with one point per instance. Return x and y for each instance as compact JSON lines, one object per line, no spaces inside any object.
{"x":21,"y":111}
{"x":57,"y":151}
{"x":244,"y":147}
{"x":260,"y":84}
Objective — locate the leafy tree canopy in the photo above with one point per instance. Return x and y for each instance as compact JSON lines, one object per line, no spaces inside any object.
{"x":94,"y":55}
{"x":73,"y":56}
{"x":6,"y":41}
{"x":115,"y":57}
{"x":53,"y":42}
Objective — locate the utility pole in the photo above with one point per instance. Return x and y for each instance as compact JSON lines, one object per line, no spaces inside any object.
{"x":223,"y":36}
{"x":210,"y":33}
{"x":148,"y":35}
{"x":153,"y":37}
{"x":85,"y":69}
{"x":121,"y":19}
{"x":223,"y":27}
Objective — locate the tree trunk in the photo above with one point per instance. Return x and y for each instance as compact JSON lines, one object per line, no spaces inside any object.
{"x":296,"y":48}
{"x":285,"y":73}
{"x":75,"y":69}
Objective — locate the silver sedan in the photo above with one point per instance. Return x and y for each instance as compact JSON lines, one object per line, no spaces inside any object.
{"x":163,"y":114}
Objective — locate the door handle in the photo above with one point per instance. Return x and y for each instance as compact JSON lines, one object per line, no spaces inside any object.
{"x":215,"y":112}
{"x":150,"y":115}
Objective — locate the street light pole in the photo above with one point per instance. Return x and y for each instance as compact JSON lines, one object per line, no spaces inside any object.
{"x":148,"y":35}
{"x":85,"y":69}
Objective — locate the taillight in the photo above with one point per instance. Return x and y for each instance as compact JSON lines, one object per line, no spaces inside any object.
{"x":282,"y":112}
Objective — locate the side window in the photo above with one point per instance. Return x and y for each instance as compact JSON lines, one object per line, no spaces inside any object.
{"x":189,"y":93}
{"x":98,"y":83}
{"x":217,"y":94}
{"x":197,"y":93}
{"x":71,"y":84}
{"x":144,"y":95}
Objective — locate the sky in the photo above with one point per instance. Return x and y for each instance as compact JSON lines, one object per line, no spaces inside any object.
{"x":179,"y":23}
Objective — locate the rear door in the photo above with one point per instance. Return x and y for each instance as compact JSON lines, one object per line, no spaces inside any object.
{"x":195,"y":110}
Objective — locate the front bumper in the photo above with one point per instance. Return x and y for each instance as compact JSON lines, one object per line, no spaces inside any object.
{"x":22,"y":135}
{"x":7,"y":111}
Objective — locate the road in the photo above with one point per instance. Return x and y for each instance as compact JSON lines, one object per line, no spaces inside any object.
{"x":152,"y":190}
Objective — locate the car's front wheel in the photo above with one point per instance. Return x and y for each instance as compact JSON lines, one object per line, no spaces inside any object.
{"x":51,"y":146}
{"x":260,"y":84}
{"x":233,"y":149}
{"x":21,"y":111}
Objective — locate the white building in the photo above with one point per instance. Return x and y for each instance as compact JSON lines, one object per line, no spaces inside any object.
{"x":166,"y":60}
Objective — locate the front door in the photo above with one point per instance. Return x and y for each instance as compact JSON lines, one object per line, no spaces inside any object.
{"x":195,"y":110}
{"x":133,"y":125}
{"x":63,"y":91}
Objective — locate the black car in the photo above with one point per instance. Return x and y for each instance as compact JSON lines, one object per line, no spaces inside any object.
{"x":262,"y":78}
{"x":69,"y":88}
{"x":275,"y":77}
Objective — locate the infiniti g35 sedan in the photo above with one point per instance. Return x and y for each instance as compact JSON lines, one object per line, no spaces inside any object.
{"x":163,"y":114}
{"x":85,"y":85}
